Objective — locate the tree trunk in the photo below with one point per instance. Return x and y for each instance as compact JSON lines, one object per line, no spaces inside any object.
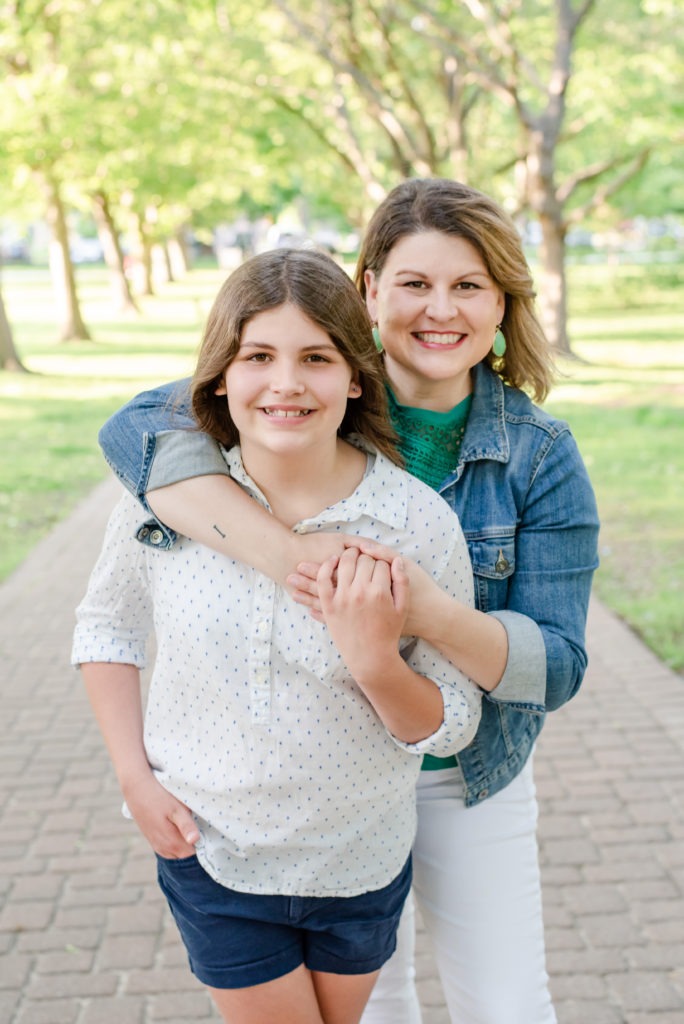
{"x":9,"y":358}
{"x":144,"y":255}
{"x":178,"y":254}
{"x":111,"y":247}
{"x":61,"y":267}
{"x":541,"y":190}
{"x":553,"y":297}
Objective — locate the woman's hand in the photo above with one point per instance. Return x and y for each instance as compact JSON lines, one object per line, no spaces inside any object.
{"x":166,"y":823}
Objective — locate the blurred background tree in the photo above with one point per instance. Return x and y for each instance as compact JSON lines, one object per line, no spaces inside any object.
{"x":164,"y":117}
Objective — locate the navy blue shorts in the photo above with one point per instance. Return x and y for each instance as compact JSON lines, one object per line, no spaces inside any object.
{"x":237,"y":939}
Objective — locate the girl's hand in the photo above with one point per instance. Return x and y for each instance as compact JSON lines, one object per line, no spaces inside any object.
{"x":423,"y":591}
{"x":303,"y":584}
{"x":166,"y":823}
{"x":364,"y":602}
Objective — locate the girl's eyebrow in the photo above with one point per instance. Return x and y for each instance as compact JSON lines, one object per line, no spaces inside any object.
{"x":306,"y":348}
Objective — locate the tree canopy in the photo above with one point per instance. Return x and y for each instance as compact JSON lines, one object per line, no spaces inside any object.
{"x":185,"y":114}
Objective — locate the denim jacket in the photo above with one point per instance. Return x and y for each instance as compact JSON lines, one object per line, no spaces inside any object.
{"x":528,"y":513}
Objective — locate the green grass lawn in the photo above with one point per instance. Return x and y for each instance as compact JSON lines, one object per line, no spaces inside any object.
{"x":623,"y":396}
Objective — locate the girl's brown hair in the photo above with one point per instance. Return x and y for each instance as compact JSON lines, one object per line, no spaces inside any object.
{"x":316,"y":285}
{"x":439,"y":204}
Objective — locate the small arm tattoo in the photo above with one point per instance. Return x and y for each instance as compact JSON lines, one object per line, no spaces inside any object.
{"x":220,"y":532}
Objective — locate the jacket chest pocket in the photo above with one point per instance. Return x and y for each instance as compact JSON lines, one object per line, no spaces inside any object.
{"x":493,"y":561}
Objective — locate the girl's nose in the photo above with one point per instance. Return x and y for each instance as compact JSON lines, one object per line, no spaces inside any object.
{"x":286,"y":381}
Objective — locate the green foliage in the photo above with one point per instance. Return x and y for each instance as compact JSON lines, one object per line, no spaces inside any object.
{"x":623,"y":399}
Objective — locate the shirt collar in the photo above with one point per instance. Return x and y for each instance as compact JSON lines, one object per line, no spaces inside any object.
{"x":382,"y":494}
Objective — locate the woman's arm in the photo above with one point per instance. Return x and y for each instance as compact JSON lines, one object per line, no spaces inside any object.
{"x":216,"y":511}
{"x":474,"y":642}
{"x":114,"y":693}
{"x":556,"y":555}
{"x":180,"y":475}
{"x":364,"y":604}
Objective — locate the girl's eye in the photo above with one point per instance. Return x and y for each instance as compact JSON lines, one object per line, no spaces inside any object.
{"x":258,"y":357}
{"x":316,"y":357}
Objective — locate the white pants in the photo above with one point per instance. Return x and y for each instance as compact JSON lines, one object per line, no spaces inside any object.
{"x":477,"y":882}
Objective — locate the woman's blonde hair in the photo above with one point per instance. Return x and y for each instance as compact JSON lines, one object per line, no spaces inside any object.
{"x":319,"y":288}
{"x":439,"y":204}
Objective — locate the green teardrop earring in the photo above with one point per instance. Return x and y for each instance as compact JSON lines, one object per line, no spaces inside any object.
{"x":499,"y":346}
{"x":376,"y":337}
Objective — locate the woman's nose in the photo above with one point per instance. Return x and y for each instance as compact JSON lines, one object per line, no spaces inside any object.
{"x":442,"y":305}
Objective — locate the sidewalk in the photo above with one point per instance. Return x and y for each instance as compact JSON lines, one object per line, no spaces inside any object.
{"x":85,"y":938}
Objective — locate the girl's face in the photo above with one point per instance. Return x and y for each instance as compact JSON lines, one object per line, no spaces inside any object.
{"x":288,"y":386}
{"x":437,"y":310}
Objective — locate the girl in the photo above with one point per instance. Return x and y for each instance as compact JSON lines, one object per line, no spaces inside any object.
{"x":274,"y":775}
{"x":445,"y":279}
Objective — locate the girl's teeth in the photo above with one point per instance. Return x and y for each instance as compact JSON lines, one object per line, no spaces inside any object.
{"x":286,"y":413}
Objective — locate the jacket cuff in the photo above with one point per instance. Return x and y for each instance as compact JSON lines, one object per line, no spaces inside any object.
{"x":181,"y":454}
{"x":524,"y":679}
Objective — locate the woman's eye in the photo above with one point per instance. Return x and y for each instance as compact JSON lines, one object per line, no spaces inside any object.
{"x":258,"y":357}
{"x":414,"y":284}
{"x":467,"y":286}
{"x":316,"y":357}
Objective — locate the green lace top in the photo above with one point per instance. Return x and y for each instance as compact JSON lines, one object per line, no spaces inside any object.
{"x":430,"y":443}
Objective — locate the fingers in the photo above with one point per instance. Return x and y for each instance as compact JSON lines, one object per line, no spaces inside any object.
{"x":371,"y":547}
{"x":400,"y":585}
{"x":308,"y":570}
{"x":302,"y":588}
{"x":185,"y":824}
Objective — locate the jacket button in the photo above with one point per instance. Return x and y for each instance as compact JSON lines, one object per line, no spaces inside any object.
{"x":502,"y":562}
{"x":483,"y":794}
{"x":156,"y":537}
{"x":143,"y":532}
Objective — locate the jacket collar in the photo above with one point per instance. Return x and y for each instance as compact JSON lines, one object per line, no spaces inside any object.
{"x":486,"y":436}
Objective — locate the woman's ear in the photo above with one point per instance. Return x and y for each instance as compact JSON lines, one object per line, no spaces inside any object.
{"x":371,"y":283}
{"x":355,"y":390}
{"x":220,"y":388}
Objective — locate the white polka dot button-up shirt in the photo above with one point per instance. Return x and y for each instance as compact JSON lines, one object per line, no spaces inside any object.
{"x":252,"y":717}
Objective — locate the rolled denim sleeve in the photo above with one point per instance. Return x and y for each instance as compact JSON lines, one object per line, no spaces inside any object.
{"x":152,"y":442}
{"x":524,"y":678}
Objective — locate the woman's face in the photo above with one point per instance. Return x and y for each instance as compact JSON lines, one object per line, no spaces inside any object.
{"x":437,"y":310}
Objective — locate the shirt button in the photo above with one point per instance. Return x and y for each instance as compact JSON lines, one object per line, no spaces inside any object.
{"x":156,"y":537}
{"x":483,"y":794}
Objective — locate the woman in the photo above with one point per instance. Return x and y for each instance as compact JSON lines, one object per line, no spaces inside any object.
{"x":448,"y":288}
{"x":276,"y":772}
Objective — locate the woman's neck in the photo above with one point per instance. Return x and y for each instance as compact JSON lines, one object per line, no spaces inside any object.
{"x":421,"y":393}
{"x":299,"y":487}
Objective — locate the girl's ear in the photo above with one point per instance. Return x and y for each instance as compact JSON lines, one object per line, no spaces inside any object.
{"x":220,"y":388}
{"x":355,"y":390}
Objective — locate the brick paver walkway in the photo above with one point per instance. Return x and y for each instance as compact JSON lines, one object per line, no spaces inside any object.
{"x":85,"y":938}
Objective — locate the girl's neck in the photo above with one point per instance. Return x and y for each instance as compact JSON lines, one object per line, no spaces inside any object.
{"x":299,"y":487}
